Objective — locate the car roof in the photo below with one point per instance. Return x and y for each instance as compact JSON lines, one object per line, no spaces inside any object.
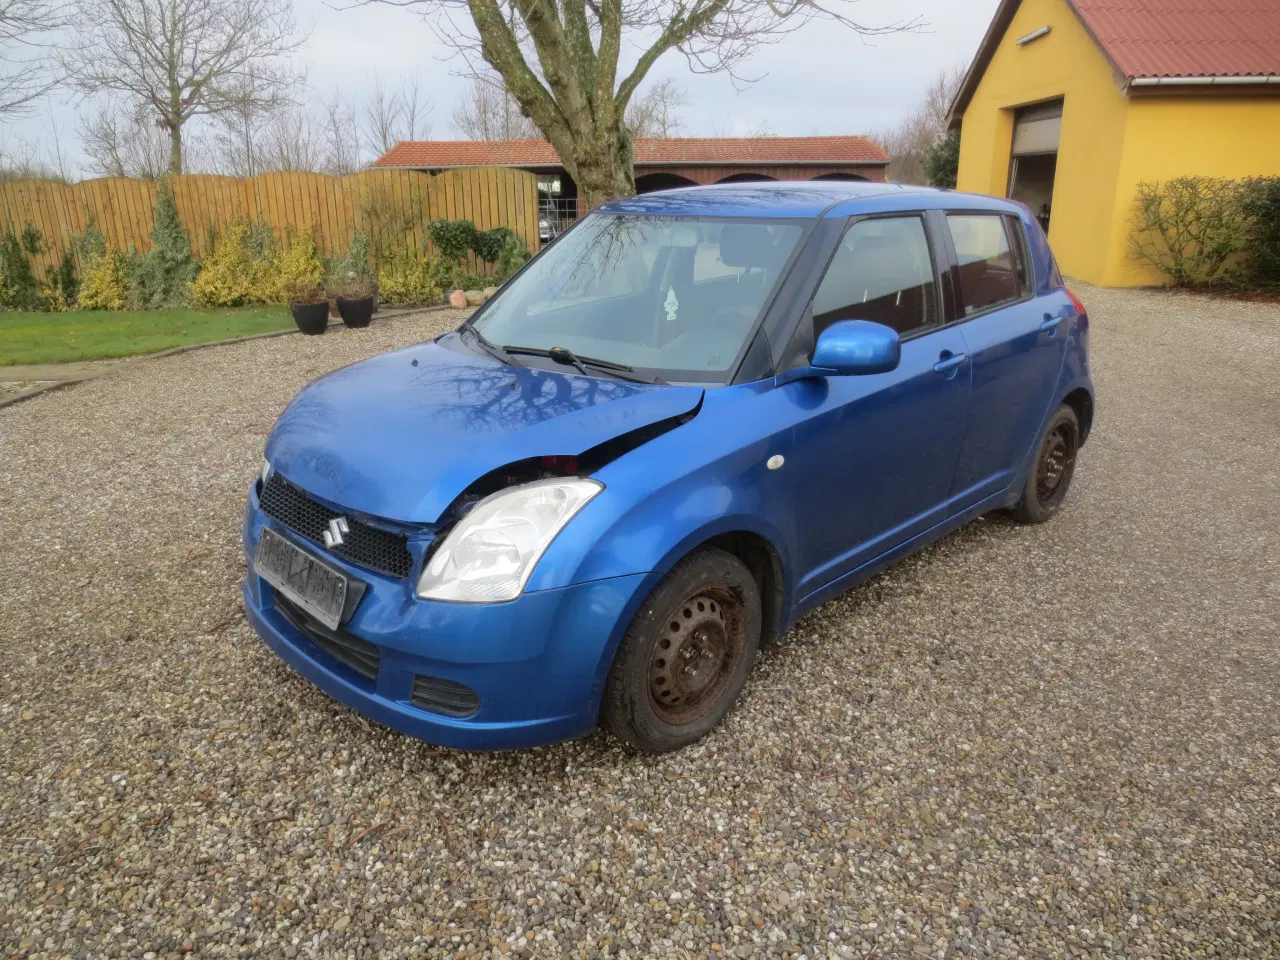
{"x":804,"y":199}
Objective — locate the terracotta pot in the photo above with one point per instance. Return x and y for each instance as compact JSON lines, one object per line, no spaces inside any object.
{"x":357,"y":312}
{"x":311,"y":318}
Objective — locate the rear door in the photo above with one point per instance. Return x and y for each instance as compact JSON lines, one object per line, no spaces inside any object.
{"x":1016,"y":343}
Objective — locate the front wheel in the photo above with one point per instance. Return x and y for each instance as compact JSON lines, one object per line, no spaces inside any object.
{"x":686,"y":655}
{"x":1050,"y":475}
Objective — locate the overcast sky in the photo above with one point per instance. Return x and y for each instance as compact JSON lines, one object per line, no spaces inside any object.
{"x":823,"y":79}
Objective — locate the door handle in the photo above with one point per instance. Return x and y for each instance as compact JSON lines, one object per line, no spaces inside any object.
{"x":1051,"y":322}
{"x":948,"y":364}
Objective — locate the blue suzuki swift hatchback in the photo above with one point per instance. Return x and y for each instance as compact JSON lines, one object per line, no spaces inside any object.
{"x":689,"y":421}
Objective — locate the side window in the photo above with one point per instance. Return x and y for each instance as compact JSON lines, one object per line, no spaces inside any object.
{"x":1021,"y":254}
{"x":989,"y":272}
{"x":882,"y":271}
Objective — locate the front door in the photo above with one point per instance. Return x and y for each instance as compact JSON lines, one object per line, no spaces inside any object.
{"x":871,"y":457}
{"x":1016,"y":343}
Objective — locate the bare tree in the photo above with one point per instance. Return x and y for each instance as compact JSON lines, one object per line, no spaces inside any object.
{"x":239,"y":128}
{"x":289,"y":141}
{"x":392,"y":115}
{"x":560,"y":60}
{"x":181,"y":59}
{"x":487,"y":112}
{"x":26,"y":74}
{"x":652,"y":113}
{"x":341,"y":137}
{"x":908,"y":142}
{"x":125,"y":143}
{"x":45,"y":159}
{"x":762,"y":129}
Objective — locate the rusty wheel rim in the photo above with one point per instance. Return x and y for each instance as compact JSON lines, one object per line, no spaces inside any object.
{"x":695,"y":656}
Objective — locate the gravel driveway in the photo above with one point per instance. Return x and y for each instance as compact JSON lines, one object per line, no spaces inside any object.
{"x":1036,"y":742}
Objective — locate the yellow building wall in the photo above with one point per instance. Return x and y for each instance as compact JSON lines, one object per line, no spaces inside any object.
{"x":1068,"y":64}
{"x":1187,"y":134}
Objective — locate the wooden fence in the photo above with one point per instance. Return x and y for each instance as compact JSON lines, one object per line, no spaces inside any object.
{"x":391,"y":206}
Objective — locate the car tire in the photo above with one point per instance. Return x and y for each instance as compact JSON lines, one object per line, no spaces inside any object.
{"x":686,"y":655}
{"x":1051,"y":468}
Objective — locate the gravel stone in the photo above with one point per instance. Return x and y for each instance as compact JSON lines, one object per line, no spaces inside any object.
{"x":1024,"y":742}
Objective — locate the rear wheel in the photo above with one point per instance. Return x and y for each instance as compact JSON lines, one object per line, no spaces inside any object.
{"x":686,"y":655}
{"x":1050,"y":475}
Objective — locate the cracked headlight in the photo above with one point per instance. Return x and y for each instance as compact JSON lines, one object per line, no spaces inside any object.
{"x":489,"y":555}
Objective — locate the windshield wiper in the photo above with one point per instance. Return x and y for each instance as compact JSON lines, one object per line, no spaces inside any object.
{"x":492,"y":349}
{"x":566,"y":356}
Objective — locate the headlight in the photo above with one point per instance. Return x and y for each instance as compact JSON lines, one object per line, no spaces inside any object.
{"x":265,"y":475}
{"x":489,"y":555}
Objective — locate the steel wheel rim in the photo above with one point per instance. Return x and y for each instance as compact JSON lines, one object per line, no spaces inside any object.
{"x":1057,"y":459}
{"x":696,"y":655}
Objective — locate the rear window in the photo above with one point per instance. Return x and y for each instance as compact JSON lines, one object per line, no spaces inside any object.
{"x":993,"y":267}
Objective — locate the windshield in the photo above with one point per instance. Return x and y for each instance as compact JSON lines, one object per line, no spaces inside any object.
{"x":674,"y":296}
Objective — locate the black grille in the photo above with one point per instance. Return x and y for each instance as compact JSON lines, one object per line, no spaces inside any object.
{"x":367,"y":546}
{"x":360,"y":655}
{"x":444,"y":696}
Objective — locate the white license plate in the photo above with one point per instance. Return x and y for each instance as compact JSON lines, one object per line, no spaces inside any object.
{"x":311,"y":583}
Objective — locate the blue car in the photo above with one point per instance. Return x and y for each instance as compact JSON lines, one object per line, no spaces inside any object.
{"x":686,"y":423}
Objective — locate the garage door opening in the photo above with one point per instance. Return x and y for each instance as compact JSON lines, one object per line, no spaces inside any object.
{"x":1034,"y":160}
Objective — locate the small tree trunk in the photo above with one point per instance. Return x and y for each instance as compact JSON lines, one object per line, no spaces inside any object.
{"x":175,"y":149}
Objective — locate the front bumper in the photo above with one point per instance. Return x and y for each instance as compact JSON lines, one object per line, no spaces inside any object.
{"x":537,"y":663}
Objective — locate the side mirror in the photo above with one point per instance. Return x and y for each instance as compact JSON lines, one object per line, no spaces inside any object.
{"x":850,"y":348}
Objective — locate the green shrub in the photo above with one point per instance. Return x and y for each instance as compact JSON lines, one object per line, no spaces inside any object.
{"x":231,"y":276}
{"x":1260,"y":200}
{"x":406,"y":277}
{"x":248,"y":267}
{"x":62,"y":281}
{"x":941,"y":161}
{"x":452,"y":238}
{"x":352,"y":265}
{"x":106,"y":284}
{"x":89,"y":244}
{"x":162,"y":276}
{"x":297,"y":272}
{"x":513,"y":255}
{"x":1189,"y":228}
{"x":19,"y":289}
{"x":487,"y":244}
{"x":458,"y":280}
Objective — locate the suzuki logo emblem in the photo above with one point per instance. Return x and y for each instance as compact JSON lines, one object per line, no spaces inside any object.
{"x":337,"y":527}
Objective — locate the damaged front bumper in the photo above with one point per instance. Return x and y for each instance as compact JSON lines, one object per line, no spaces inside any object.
{"x":471,"y":676}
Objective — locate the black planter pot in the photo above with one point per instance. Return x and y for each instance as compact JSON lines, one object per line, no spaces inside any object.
{"x":357,"y":312}
{"x":311,"y":318}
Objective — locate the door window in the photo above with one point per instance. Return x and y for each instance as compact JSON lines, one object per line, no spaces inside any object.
{"x":990,"y":271}
{"x":882,"y":271}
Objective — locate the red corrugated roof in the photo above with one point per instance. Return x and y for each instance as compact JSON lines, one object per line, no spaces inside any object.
{"x":1187,"y":38}
{"x":727,"y":151}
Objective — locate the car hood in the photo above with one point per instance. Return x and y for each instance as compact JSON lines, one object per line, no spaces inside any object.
{"x":401,"y":435}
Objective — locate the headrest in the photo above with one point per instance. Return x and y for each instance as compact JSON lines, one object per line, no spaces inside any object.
{"x":747,"y":245}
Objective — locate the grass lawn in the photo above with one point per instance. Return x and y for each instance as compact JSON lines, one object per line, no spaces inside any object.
{"x":97,"y":334}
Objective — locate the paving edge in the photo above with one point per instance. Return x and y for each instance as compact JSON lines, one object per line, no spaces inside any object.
{"x":187,"y":348}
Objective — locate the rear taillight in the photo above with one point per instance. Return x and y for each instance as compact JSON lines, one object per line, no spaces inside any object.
{"x":1075,"y":302}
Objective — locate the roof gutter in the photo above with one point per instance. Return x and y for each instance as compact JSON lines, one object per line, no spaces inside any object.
{"x":1202,"y":81}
